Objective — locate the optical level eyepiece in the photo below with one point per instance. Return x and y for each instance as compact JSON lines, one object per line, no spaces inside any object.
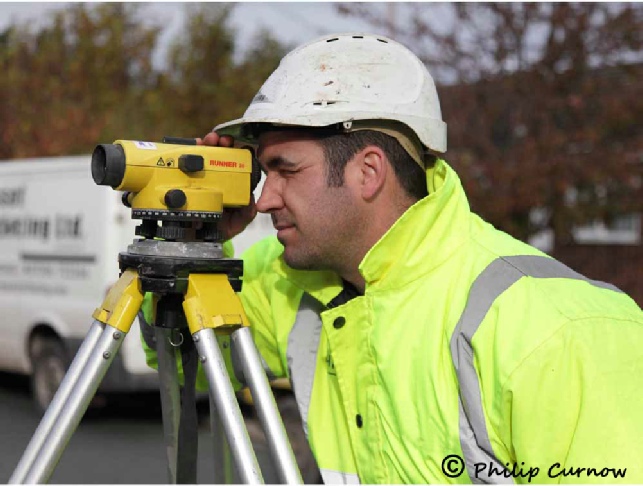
{"x":108,"y":165}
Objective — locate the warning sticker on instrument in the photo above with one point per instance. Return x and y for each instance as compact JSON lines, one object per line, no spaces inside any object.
{"x":145,"y":145}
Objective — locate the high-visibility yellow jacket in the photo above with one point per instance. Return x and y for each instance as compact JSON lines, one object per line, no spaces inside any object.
{"x":466,"y":343}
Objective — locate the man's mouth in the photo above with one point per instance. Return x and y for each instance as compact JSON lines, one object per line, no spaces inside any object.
{"x":283,"y":229}
{"x":283,"y":226}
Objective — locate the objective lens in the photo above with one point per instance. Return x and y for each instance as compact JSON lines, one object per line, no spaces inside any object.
{"x":108,"y":165}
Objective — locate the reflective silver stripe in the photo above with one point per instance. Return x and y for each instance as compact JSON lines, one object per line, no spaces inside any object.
{"x":544,"y":267}
{"x":303,"y":342}
{"x":337,"y":477}
{"x":488,"y":286}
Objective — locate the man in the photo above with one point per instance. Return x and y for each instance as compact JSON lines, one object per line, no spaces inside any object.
{"x":415,"y":335}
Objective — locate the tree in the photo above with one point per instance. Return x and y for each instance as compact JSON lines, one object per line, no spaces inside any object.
{"x":209,"y":81}
{"x":74,"y":81}
{"x":87,"y":77}
{"x":543,"y":102}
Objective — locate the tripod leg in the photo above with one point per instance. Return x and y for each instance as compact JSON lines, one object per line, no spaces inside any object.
{"x":266,"y":406}
{"x":75,"y":406}
{"x":170,"y":399}
{"x":222,"y":393}
{"x":55,"y":408}
{"x":223,"y":470}
{"x":93,"y":359}
{"x":210,"y":302}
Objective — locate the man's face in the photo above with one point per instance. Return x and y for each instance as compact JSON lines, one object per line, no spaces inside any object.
{"x":315,"y":223}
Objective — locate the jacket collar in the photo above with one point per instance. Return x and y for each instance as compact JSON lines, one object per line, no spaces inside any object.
{"x":426,"y":235}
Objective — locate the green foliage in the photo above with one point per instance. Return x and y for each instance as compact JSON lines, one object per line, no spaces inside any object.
{"x":209,"y":82}
{"x":87,"y":77}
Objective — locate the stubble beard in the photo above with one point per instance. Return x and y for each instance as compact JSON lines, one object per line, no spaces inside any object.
{"x":332,"y":256}
{"x":333,"y":251}
{"x":303,"y":259}
{"x":300,"y":254}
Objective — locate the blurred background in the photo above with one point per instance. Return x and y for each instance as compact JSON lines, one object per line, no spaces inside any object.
{"x":543,"y":101}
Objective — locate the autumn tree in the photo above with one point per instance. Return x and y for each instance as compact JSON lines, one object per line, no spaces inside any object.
{"x":74,"y":81}
{"x":87,"y":77}
{"x":543,"y":101}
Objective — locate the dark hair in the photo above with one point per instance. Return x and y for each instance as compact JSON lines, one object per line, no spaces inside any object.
{"x":339,"y":148}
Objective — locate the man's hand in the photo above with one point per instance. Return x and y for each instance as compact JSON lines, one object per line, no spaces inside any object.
{"x":233,"y":221}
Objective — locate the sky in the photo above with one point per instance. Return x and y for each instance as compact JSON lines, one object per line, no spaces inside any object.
{"x":290,"y":22}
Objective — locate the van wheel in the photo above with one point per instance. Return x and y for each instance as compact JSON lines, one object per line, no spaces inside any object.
{"x":49,"y":365}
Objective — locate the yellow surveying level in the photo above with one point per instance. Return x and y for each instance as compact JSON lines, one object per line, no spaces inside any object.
{"x":173,"y":178}
{"x":179,"y":191}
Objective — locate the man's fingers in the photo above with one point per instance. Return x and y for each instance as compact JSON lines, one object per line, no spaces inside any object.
{"x":211,"y":139}
{"x":215,"y":140}
{"x":226,"y":141}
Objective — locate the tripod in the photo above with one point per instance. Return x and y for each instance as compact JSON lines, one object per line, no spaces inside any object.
{"x":194,"y":289}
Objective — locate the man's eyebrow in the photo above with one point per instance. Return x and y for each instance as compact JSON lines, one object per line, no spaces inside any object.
{"x":278,"y":162}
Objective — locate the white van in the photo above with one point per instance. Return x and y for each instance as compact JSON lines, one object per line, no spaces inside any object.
{"x":60,"y":235}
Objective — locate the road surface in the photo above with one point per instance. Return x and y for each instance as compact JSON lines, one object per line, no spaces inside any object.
{"x":121,"y":443}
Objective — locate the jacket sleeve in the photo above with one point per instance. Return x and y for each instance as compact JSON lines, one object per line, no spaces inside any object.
{"x":575,"y":403}
{"x":257,"y":282}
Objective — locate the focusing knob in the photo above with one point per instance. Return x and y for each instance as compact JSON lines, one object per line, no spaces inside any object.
{"x":191,"y":163}
{"x":171,"y":232}
{"x":175,"y":198}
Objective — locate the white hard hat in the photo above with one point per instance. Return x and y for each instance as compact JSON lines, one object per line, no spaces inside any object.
{"x":348,"y":79}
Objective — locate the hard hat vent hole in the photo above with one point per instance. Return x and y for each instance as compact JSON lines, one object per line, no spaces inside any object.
{"x":382,"y":40}
{"x":323,"y":103}
{"x":333,"y":40}
{"x":358,"y":37}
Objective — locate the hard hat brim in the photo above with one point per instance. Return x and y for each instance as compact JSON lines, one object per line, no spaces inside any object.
{"x":432,"y":134}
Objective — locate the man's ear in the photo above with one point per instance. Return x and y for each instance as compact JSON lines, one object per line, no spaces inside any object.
{"x":374,"y":171}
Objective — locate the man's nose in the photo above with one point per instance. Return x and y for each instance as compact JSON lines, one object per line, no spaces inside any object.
{"x":270,"y":199}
